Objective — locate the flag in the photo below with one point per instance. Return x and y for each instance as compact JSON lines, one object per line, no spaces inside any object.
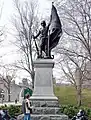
{"x":55,"y":28}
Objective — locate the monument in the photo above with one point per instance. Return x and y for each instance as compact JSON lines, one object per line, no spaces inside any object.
{"x":44,"y":102}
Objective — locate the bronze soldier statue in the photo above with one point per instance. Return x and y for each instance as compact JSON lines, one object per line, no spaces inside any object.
{"x":50,"y":34}
{"x":43,"y":32}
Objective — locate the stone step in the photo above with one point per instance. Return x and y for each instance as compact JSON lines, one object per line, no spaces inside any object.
{"x":44,"y":103}
{"x":45,"y":110}
{"x":49,"y":117}
{"x":45,"y":117}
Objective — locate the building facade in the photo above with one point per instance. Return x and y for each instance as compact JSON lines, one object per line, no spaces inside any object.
{"x":15,"y":90}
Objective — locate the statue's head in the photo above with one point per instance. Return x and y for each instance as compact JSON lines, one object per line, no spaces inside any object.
{"x":43,"y":23}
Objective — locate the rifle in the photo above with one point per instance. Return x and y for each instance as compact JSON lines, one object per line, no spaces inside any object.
{"x":36,"y":47}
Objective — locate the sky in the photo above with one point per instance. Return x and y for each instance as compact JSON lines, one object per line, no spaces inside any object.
{"x":8,"y":8}
{"x":8,"y":49}
{"x":6,"y":18}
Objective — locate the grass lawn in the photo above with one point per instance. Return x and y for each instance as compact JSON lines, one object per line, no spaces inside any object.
{"x":67,"y":95}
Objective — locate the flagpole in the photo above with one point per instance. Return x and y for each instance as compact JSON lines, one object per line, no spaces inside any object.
{"x":48,"y":47}
{"x":48,"y":43}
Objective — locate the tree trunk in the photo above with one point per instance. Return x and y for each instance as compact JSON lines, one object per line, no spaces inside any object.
{"x":33,"y":75}
{"x":79,"y":95}
{"x":9,"y":93}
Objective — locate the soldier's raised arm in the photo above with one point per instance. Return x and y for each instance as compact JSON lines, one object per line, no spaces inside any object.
{"x":34,"y":37}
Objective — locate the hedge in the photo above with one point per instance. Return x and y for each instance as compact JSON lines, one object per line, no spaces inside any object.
{"x":69,"y":110}
{"x":12,"y":109}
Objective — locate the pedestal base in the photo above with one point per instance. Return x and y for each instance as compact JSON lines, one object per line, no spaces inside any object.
{"x":45,"y":117}
{"x":44,"y":102}
{"x":43,"y":85}
{"x":49,"y":117}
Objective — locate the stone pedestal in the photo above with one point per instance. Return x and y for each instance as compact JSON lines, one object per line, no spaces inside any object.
{"x":45,"y":103}
{"x":43,"y":85}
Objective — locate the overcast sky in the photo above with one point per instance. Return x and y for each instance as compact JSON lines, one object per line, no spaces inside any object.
{"x":8,"y":8}
{"x":7,"y":12}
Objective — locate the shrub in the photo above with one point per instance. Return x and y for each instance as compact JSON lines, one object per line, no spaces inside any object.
{"x":12,"y":110}
{"x":73,"y":110}
{"x":3,"y":107}
{"x":69,"y":110}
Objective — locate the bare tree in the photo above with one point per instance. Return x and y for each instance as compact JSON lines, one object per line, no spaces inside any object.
{"x":77,"y":24}
{"x":25,"y":21}
{"x":2,"y":27}
{"x":75,"y":45}
{"x":7,"y":77}
{"x":74,"y":71}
